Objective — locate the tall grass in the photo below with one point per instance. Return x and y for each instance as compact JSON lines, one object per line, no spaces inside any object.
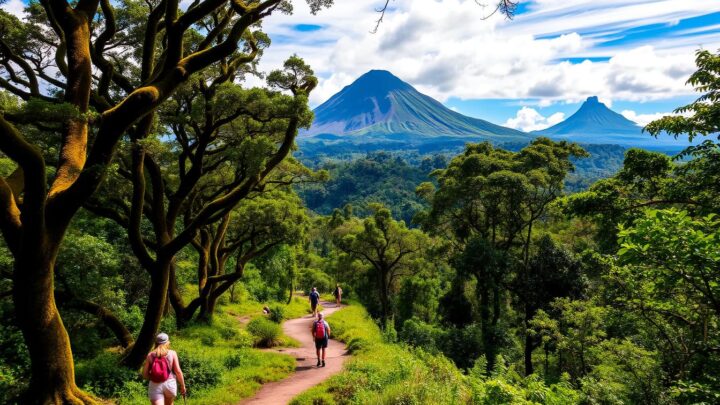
{"x":218,"y":361}
{"x":385,"y":373}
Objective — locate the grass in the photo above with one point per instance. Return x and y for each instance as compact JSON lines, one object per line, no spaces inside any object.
{"x":233,"y":374}
{"x":219,"y":364}
{"x":383,"y":373}
{"x":219,"y":361}
{"x":298,"y":307}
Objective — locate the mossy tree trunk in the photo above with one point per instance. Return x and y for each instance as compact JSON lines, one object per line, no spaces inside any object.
{"x":52,"y":378}
{"x":34,"y":216}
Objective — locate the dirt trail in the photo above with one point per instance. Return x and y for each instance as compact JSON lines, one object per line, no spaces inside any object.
{"x":306,"y":375}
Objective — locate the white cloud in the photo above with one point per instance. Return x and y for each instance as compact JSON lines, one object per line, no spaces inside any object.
{"x":14,"y":7}
{"x":444,"y":48}
{"x":528,"y":119}
{"x":644,"y":119}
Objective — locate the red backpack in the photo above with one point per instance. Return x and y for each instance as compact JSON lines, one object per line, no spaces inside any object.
{"x":159,"y":369}
{"x":320,"y":331}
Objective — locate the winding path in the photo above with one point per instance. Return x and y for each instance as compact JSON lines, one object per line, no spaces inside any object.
{"x":306,"y":374}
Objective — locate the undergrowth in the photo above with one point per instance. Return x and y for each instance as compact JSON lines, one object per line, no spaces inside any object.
{"x":388,"y":373}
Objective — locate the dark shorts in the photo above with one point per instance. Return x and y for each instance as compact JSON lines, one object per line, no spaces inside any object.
{"x":321,"y":343}
{"x":313,"y":305}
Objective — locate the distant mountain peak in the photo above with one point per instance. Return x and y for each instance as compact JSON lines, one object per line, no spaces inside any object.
{"x":379,"y":103}
{"x":378,"y":83}
{"x":593,"y":117}
{"x":378,"y":74}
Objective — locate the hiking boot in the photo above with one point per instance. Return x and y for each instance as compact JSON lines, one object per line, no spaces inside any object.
{"x":323,"y":363}
{"x":319,"y":363}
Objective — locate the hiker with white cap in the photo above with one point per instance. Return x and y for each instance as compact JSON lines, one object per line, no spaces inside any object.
{"x":162,"y":368}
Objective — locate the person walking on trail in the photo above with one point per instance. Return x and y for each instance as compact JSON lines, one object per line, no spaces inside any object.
{"x":337,"y":294}
{"x":162,"y":369}
{"x":314,"y":301}
{"x":321,"y":335}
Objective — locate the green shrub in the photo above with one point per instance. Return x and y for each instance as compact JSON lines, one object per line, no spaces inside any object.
{"x":228,"y":333}
{"x":314,"y":398}
{"x":201,"y":371}
{"x":235,"y":360}
{"x":266,"y":332}
{"x":103,"y":375}
{"x":417,"y":333}
{"x":277,"y":313}
{"x":243,"y":339}
{"x":390,"y":333}
{"x":310,"y":277}
{"x":11,"y":386}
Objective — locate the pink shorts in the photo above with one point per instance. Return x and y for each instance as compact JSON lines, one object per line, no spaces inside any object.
{"x":157,"y":390}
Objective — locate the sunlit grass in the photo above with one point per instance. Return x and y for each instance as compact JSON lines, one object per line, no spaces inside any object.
{"x":382,"y":373}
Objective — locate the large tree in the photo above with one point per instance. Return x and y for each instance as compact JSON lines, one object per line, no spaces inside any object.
{"x":251,"y":230}
{"x":226,"y":144}
{"x":668,"y":276}
{"x":98,"y":70}
{"x":392,"y":251}
{"x":488,"y":201}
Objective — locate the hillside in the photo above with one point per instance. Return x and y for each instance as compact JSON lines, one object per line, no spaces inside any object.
{"x":595,"y":123}
{"x":379,"y":107}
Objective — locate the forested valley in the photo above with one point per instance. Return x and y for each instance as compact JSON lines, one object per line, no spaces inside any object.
{"x":146,"y":188}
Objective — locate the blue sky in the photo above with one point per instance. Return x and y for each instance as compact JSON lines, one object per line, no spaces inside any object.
{"x":527,"y":73}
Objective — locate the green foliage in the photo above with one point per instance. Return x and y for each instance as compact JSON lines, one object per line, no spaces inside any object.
{"x":102,"y":376}
{"x":419,"y":334}
{"x":388,"y":247}
{"x":14,"y":359}
{"x":419,"y":297}
{"x":379,"y":177}
{"x":200,"y":371}
{"x":277,"y":313}
{"x":704,"y":112}
{"x":382,"y":373}
{"x":665,"y":276}
{"x":487,"y":191}
{"x":266,"y":332}
{"x":646,"y":179}
{"x":310,"y":277}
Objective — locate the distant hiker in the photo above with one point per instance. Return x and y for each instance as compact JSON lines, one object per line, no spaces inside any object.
{"x":162,"y":368}
{"x":321,"y":334}
{"x":337,"y":294}
{"x":266,"y":310}
{"x":314,"y":300}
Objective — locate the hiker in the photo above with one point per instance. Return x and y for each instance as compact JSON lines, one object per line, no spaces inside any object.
{"x":162,"y":368}
{"x":321,"y":334}
{"x":337,"y":294}
{"x":314,"y":300}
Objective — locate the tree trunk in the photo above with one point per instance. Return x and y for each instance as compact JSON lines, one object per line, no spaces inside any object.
{"x":104,"y":315}
{"x":486,"y":326}
{"x":157,"y":298}
{"x":384,"y":304}
{"x":529,"y":345}
{"x":529,"y":341}
{"x":292,"y":290}
{"x":208,"y":310}
{"x":52,"y":368}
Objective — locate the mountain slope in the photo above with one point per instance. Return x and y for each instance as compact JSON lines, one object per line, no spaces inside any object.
{"x":379,"y":105}
{"x":595,"y":123}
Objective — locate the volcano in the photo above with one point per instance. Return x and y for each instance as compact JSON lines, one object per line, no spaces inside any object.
{"x":380,"y":106}
{"x":595,"y":123}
